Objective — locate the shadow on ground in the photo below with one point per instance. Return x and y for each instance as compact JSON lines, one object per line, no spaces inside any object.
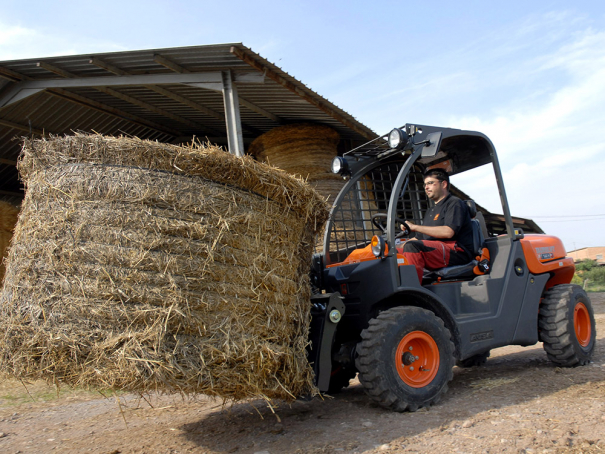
{"x":350,"y":421}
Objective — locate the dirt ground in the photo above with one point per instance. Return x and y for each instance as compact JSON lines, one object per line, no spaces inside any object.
{"x":518,"y":402}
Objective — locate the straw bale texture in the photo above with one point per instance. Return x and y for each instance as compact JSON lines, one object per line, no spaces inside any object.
{"x":306,"y":150}
{"x":144,"y":266}
{"x":297,"y":146}
{"x":8,"y":219}
{"x":302,"y":149}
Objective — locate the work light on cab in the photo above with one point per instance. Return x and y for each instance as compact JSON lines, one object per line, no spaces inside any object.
{"x":397,"y":139}
{"x":340,"y":165}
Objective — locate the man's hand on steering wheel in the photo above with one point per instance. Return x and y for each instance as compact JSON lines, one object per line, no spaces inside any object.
{"x":409,"y":226}
{"x":378,"y":217}
{"x":405,"y":228}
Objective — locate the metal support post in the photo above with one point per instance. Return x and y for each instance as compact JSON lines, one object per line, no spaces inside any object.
{"x":234,"y":124}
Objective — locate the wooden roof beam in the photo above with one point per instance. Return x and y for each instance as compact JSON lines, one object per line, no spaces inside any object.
{"x":245,"y":57}
{"x":11,"y":75}
{"x":122,"y":96}
{"x":56,"y":70}
{"x":260,"y":110}
{"x":21,"y":127}
{"x":166,"y":62}
{"x":164,"y":92}
{"x":90,"y":103}
{"x":107,"y":66}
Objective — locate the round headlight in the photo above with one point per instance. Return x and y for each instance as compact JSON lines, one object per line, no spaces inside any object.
{"x":377,"y":246}
{"x":397,"y":138}
{"x":336,"y":164}
{"x":340,"y":165}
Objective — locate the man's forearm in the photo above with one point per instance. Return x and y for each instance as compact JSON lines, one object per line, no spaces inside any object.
{"x":442,"y":231}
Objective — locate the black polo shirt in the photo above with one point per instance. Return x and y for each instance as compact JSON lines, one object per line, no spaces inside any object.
{"x":454,"y":213}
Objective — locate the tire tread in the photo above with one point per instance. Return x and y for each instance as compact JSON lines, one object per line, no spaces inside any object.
{"x":558,"y":338}
{"x":369,"y":360}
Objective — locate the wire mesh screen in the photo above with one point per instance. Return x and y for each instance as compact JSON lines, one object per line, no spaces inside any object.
{"x":352,"y":226}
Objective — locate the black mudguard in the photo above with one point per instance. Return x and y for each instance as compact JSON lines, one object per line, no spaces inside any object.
{"x":321,"y":336}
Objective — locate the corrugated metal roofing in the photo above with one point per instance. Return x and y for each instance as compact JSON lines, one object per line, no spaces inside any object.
{"x":169,"y":112}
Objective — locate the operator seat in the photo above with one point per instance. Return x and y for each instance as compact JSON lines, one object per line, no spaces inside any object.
{"x":467,"y":270}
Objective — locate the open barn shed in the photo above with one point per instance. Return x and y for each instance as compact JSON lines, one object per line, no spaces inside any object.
{"x":225,"y":93}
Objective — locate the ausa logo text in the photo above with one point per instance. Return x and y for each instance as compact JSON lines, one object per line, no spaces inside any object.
{"x":485,"y":335}
{"x":545,"y":253}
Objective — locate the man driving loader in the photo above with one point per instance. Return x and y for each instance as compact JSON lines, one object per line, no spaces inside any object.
{"x":445,"y":237}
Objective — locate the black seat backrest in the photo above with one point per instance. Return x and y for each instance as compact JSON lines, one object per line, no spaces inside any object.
{"x":478,"y":237}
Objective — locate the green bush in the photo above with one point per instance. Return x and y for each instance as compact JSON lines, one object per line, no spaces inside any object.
{"x":596,"y":275}
{"x":586,"y":265}
{"x":591,"y":277}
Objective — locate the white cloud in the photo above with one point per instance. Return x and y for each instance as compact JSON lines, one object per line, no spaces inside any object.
{"x":537,"y":89}
{"x":18,"y":42}
{"x":11,"y":35}
{"x":551,"y":148}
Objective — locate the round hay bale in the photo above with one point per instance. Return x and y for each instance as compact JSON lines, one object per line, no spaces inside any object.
{"x":301,"y":149}
{"x":8,"y":219}
{"x":328,"y":185}
{"x":144,"y":266}
{"x":306,"y":150}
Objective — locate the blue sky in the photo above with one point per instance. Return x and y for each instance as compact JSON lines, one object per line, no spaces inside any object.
{"x":530,"y":75}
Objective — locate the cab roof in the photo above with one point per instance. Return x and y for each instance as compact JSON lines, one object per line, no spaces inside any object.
{"x":457,"y":150}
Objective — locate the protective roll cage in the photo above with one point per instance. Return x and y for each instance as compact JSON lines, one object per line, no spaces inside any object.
{"x":389,"y":180}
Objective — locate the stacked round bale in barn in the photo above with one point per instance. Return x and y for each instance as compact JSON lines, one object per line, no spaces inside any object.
{"x":8,"y":219}
{"x":306,"y":150}
{"x":144,"y":266}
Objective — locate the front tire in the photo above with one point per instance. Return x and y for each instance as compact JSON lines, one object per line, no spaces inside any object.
{"x":405,"y":358}
{"x":567,"y":325}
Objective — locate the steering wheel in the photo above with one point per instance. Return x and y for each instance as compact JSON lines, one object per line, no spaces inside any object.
{"x":378,"y":217}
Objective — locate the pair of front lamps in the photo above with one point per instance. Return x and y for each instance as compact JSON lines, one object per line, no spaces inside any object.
{"x":397,"y":139}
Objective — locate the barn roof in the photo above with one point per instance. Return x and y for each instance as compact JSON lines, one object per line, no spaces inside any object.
{"x":226,"y":93}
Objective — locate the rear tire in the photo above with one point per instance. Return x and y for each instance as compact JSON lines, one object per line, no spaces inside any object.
{"x":476,"y":360}
{"x":405,"y":358}
{"x":567,"y":325}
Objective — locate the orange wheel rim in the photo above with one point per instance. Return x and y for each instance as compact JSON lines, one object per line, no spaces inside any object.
{"x":417,"y":359}
{"x":581,"y":324}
